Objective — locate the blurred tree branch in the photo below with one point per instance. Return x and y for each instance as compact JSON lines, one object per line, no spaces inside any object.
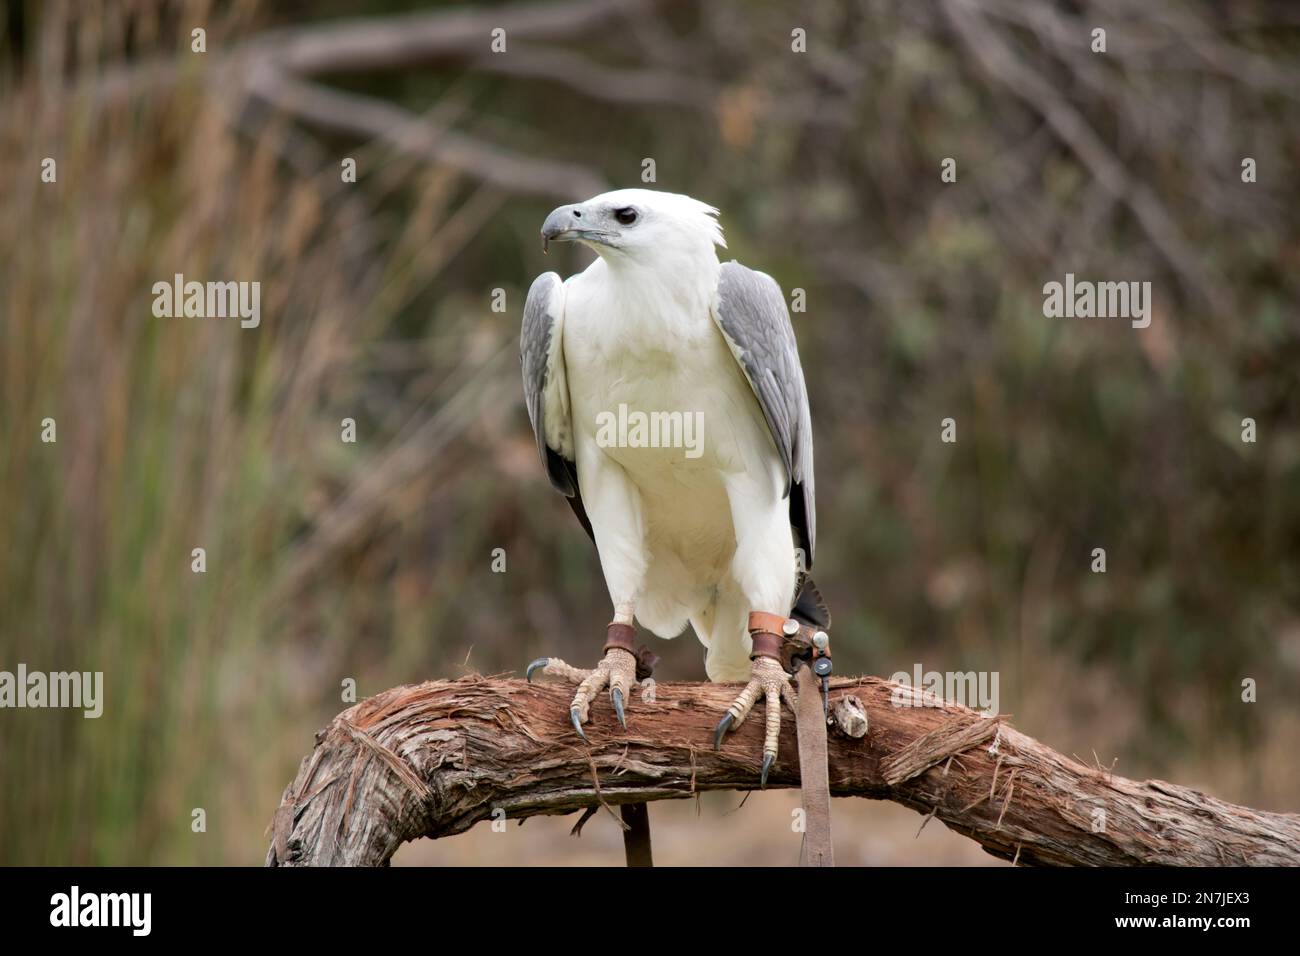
{"x":1074,"y":131}
{"x":379,"y":119}
{"x":275,"y":67}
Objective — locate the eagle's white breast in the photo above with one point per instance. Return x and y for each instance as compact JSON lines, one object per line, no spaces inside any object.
{"x":648,"y":342}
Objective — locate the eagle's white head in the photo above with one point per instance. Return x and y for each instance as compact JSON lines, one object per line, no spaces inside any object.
{"x":642,"y":227}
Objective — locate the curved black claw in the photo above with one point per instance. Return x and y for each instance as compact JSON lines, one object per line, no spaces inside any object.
{"x":723,"y":726}
{"x":540,"y":662}
{"x":617,"y":696}
{"x":769,"y":758}
{"x":577,"y":724}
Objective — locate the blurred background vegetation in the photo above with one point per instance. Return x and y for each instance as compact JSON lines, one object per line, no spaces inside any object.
{"x":372,"y":561}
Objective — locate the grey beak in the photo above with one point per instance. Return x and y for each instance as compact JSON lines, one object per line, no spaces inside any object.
{"x":563,"y":225}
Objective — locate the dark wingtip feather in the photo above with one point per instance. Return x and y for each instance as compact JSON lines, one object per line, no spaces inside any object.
{"x":810,"y":607}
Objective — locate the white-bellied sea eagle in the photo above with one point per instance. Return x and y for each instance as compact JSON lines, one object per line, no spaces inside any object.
{"x":669,"y":406}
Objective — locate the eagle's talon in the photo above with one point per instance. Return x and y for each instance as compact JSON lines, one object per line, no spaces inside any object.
{"x":577,"y":723}
{"x":617,"y":671}
{"x":617,"y":696}
{"x":723,"y":725}
{"x":769,"y":758}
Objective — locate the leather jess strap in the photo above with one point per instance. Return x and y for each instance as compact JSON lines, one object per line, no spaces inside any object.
{"x":770,"y":637}
{"x":814,"y":773}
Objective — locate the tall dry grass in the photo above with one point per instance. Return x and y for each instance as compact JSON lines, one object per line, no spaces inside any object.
{"x":183,"y":433}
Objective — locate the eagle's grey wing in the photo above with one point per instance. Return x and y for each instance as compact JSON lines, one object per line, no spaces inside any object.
{"x":546,"y":387}
{"x":752,"y":315}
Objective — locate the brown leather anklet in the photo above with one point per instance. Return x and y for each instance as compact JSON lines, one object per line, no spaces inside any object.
{"x":786,"y":640}
{"x":623,"y":636}
{"x":771,"y":623}
{"x":766,"y":644}
{"x":766,"y":632}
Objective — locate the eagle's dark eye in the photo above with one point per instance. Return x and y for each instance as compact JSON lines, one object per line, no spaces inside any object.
{"x":626,"y":215}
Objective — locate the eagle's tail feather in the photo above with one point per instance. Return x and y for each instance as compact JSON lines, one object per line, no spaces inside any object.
{"x":810,"y":607}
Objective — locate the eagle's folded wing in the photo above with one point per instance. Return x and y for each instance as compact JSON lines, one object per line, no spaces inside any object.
{"x":546,"y":388}
{"x":752,"y":315}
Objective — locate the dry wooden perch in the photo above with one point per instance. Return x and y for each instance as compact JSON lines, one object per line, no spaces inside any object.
{"x":434,"y":759}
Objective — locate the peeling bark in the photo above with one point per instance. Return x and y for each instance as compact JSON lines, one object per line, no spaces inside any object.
{"x":433,"y":759}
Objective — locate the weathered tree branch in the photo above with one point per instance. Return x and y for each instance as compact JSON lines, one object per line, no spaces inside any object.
{"x":436,"y":758}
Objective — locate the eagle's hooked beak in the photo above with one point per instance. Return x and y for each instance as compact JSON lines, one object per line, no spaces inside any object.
{"x":570,"y":223}
{"x":561,"y":225}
